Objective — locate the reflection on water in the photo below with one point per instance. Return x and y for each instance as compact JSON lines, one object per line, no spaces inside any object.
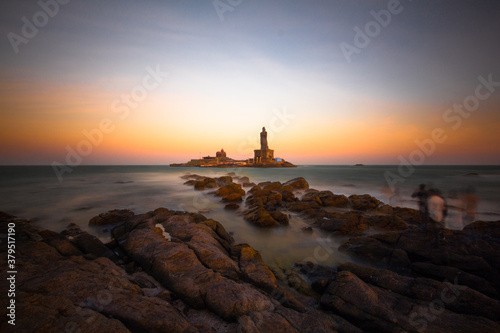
{"x":34,"y":192}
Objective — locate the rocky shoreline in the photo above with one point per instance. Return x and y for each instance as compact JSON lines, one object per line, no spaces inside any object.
{"x":171,"y":271}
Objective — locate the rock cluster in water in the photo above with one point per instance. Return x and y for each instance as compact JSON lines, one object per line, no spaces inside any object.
{"x":168,"y":271}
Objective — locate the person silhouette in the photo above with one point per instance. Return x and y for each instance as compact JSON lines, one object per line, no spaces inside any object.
{"x":422,"y":194}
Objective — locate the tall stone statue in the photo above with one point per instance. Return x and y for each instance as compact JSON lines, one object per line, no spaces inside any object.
{"x":263,"y":139}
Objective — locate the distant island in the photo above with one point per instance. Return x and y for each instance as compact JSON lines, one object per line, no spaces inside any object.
{"x":263,"y":158}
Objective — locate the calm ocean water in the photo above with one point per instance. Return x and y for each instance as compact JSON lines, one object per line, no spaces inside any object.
{"x":35,"y":192}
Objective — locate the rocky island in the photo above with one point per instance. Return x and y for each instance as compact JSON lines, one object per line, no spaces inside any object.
{"x":176,"y":271}
{"x":263,"y":158}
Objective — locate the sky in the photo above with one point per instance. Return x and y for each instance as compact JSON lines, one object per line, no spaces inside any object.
{"x":334,"y":82}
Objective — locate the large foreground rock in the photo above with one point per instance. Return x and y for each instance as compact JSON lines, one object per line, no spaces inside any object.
{"x":470,"y":255}
{"x":382,"y":301}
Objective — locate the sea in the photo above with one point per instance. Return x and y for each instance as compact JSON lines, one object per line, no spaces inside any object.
{"x":36,"y":193}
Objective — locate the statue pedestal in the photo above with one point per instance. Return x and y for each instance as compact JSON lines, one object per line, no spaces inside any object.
{"x":263,"y":156}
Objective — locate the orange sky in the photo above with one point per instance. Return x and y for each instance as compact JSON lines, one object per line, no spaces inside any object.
{"x":218,"y":82}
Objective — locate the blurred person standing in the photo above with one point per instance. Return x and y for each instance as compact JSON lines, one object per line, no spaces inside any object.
{"x":455,"y":207}
{"x":422,"y":196}
{"x":470,"y":205}
{"x":437,"y":207}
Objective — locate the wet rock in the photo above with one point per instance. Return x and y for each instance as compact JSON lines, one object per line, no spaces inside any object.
{"x":287,"y":196}
{"x":242,"y":180}
{"x":193,"y":281}
{"x":88,"y":243}
{"x":379,"y":309}
{"x":371,"y":250}
{"x":385,"y":222}
{"x":344,"y":223}
{"x":265,"y":197}
{"x":253,"y":268}
{"x":261,"y":217}
{"x":272,"y":186}
{"x":363,"y":202}
{"x":111,"y":217}
{"x":307,"y":229}
{"x":454,"y":275}
{"x":280,"y":217}
{"x":232,"y":206}
{"x":298,"y":183}
{"x":312,"y":195}
{"x":410,"y":216}
{"x":328,"y":199}
{"x":224,"y":181}
{"x":248,"y":184}
{"x":60,"y":243}
{"x":454,"y":296}
{"x":229,"y":189}
{"x":301,"y":206}
{"x":206,"y":183}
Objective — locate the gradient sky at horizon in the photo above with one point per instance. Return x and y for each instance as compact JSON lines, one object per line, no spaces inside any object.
{"x":226,"y":79}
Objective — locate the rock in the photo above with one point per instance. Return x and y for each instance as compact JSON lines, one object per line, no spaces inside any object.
{"x":460,"y":299}
{"x":285,"y":188}
{"x":452,"y":274}
{"x":459,"y":252}
{"x":385,"y":222}
{"x":371,"y":250}
{"x":224,"y":181}
{"x":230,"y":189}
{"x":328,"y":199}
{"x":232,"y":197}
{"x":248,"y":184}
{"x":253,"y":268}
{"x":254,"y":189}
{"x":260,"y":217}
{"x":488,"y":229}
{"x":193,"y":176}
{"x":307,"y":229}
{"x":112,"y":217}
{"x":273,"y":186}
{"x":344,"y":223}
{"x":280,"y":217}
{"x":206,"y":183}
{"x":60,"y":243}
{"x":301,"y":206}
{"x":298,"y":183}
{"x":74,"y":293}
{"x":265,"y":197}
{"x":232,"y":206}
{"x":363,"y":202}
{"x":375,"y":308}
{"x":312,"y":195}
{"x":88,"y":243}
{"x":189,"y":283}
{"x":287,"y":196}
{"x":242,"y":180}
{"x":410,"y":216}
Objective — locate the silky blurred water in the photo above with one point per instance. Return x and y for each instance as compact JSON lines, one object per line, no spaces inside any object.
{"x":35,"y":192}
